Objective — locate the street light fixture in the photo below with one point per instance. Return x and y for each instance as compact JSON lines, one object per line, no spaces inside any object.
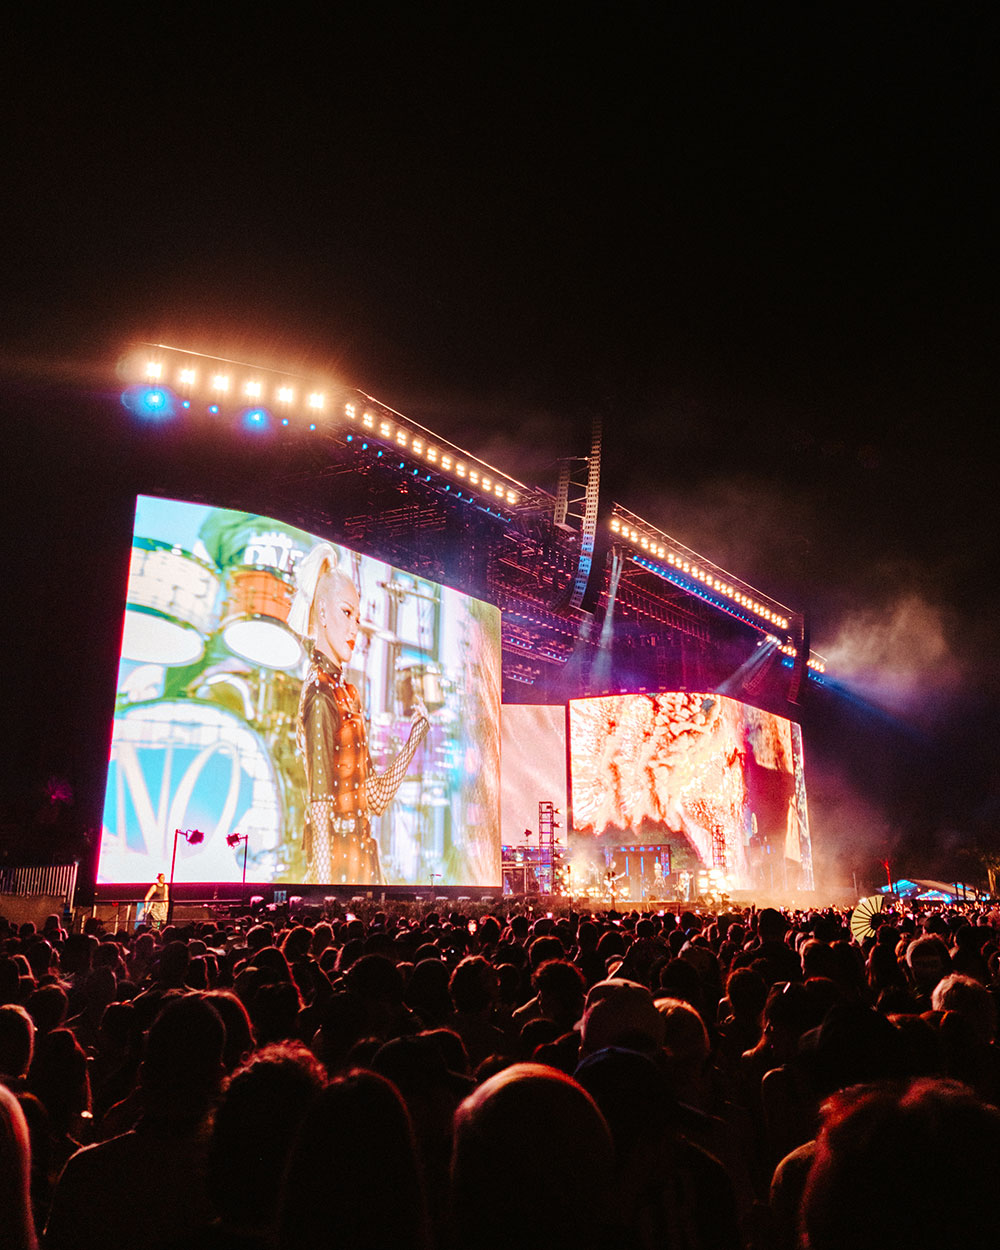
{"x":192,"y":837}
{"x":233,"y":840}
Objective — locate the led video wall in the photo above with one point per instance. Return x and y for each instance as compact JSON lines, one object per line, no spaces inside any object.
{"x":533,"y":767}
{"x":719,"y":782}
{"x":331,"y":718}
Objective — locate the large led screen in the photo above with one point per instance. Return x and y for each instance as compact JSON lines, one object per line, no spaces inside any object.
{"x":533,"y":767}
{"x":718,"y":782}
{"x":330,"y":718}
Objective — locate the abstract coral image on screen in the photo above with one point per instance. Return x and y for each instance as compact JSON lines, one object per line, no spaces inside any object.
{"x":718,"y":781}
{"x":224,"y":694}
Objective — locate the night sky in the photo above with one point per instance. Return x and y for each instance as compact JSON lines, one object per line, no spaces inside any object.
{"x":761,"y":246}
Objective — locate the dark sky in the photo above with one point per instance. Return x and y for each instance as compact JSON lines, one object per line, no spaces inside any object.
{"x":762,"y":246}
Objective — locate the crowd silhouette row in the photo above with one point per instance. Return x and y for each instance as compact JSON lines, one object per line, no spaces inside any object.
{"x":754,"y":1079}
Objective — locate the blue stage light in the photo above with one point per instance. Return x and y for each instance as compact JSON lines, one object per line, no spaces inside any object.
{"x":186,"y":403}
{"x":153,"y":403}
{"x":350,"y":438}
{"x":284,"y":420}
{"x":256,"y":420}
{"x":213,"y":409}
{"x":312,"y":425}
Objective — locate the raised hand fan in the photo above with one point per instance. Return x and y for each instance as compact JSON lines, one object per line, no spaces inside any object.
{"x":861,"y":917}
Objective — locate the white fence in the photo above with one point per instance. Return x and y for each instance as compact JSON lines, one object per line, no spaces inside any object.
{"x":58,"y":880}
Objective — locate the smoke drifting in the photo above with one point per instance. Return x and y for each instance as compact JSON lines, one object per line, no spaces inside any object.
{"x":899,"y":658}
{"x":850,"y":833}
{"x":755,"y":531}
{"x":893,"y":775}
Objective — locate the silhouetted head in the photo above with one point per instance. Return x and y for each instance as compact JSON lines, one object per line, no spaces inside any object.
{"x":353,"y":1179}
{"x":881,"y":1176}
{"x":497,"y":1125}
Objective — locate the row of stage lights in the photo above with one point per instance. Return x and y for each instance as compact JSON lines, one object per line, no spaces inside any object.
{"x":418,"y":445}
{"x":221,"y":386}
{"x":287,"y":398}
{"x":815,"y":662}
{"x":698,"y":573}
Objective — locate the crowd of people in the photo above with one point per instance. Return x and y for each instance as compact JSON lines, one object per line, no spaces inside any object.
{"x":440,"y":1080}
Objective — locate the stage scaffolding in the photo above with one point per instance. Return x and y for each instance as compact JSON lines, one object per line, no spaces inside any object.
{"x":345,"y":463}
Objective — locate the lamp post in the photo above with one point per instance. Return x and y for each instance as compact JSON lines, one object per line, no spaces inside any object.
{"x":233,"y":840}
{"x":192,"y":837}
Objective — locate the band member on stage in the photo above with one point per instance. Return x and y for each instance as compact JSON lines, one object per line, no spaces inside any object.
{"x":157,"y":902}
{"x":342,"y":786}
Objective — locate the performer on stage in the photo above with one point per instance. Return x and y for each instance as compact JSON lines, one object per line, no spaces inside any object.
{"x":157,"y":902}
{"x":611,"y":879}
{"x":342,"y":786}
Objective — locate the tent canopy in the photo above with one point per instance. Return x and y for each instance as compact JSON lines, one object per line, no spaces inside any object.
{"x":932,"y":891}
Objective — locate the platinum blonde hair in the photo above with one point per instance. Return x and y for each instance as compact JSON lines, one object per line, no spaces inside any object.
{"x":314,"y":576}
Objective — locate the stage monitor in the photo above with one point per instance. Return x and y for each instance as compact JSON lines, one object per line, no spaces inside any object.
{"x":268,"y":688}
{"x":718,"y":782}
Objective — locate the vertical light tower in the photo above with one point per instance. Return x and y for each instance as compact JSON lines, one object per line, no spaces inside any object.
{"x":547,"y":826}
{"x":591,"y":507}
{"x":799,"y":629}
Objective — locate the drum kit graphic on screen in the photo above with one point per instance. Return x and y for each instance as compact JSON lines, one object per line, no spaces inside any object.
{"x":171,"y":609}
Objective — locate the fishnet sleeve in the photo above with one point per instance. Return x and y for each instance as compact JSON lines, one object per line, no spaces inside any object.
{"x":381,"y":787}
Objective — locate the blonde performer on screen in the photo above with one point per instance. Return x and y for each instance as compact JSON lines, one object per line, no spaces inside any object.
{"x":342,"y":787}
